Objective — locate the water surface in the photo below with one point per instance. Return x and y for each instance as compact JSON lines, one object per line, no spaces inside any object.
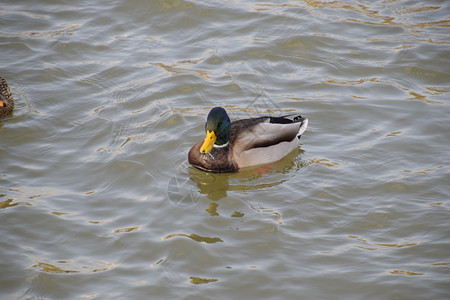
{"x":97,"y":198}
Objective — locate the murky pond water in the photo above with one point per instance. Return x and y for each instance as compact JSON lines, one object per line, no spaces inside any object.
{"x":97,"y":198}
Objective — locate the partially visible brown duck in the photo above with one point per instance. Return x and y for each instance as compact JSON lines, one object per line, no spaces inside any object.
{"x":6,"y":99}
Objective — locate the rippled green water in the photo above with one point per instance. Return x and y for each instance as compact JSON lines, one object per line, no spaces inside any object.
{"x":97,"y":199}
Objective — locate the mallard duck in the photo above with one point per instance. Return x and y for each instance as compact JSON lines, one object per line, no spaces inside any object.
{"x":229,"y":146}
{"x":6,"y":100}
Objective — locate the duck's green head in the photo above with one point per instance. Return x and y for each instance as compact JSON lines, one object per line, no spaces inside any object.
{"x":217,"y":129}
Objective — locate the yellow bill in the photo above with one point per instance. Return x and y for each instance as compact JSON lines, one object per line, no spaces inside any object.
{"x":209,"y":142}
